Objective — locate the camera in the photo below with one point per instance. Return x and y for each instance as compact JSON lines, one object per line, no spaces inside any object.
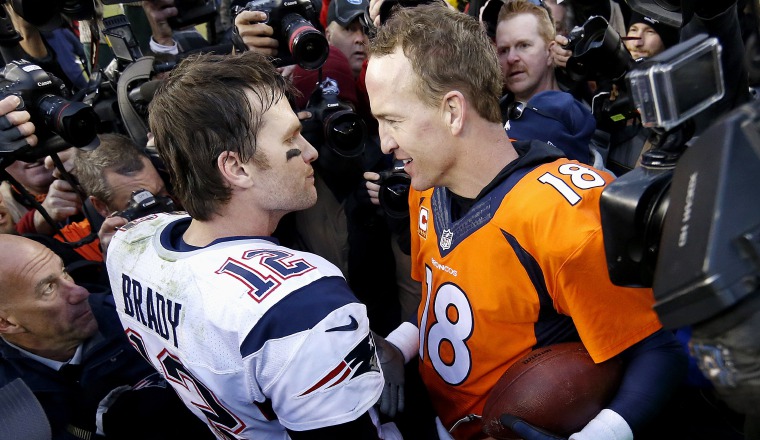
{"x":189,"y":12}
{"x":599,"y":54}
{"x":143,"y":203}
{"x":293,"y":23}
{"x":343,"y":131}
{"x":45,"y":97}
{"x":394,"y":191}
{"x":656,"y":219}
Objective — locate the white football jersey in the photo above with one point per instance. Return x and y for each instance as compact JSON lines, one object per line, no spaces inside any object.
{"x":253,"y":336}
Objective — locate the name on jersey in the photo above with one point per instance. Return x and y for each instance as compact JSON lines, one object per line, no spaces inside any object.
{"x":151,"y":309}
{"x":443,"y":267}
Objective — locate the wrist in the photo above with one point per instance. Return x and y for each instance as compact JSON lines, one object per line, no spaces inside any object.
{"x":406,"y":337}
{"x":606,"y":425}
{"x":166,"y":45}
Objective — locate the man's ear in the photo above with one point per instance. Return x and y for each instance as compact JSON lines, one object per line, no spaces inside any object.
{"x":233,"y":170}
{"x":454,"y":107}
{"x":100,"y":206}
{"x":8,"y":327}
{"x":550,"y":53}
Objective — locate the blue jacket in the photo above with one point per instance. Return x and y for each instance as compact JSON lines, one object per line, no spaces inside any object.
{"x":109,"y":361}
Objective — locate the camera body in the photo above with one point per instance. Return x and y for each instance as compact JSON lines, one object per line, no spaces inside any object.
{"x":394,"y":191}
{"x":600,"y":55}
{"x":193,"y":12}
{"x":45,"y":97}
{"x":143,"y":203}
{"x":657,"y":222}
{"x":293,"y":22}
{"x":342,"y":130}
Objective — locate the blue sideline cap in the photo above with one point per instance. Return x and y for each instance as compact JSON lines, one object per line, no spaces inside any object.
{"x":345,"y":11}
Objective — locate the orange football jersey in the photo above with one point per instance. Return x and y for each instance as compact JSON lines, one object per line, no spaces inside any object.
{"x":508,"y":276}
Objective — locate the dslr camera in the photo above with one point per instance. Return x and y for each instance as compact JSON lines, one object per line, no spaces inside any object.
{"x":293,"y":22}
{"x":343,"y":131}
{"x":394,"y":191}
{"x":143,"y":203}
{"x":46,"y":98}
{"x":599,"y":54}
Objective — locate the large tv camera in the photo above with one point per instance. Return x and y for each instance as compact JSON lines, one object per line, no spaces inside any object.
{"x":599,"y":54}
{"x":294,"y":23}
{"x":687,"y":221}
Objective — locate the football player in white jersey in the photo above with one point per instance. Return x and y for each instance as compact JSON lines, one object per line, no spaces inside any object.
{"x":259,"y":340}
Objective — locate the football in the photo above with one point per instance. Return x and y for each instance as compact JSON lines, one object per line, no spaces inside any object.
{"x":558,"y":388}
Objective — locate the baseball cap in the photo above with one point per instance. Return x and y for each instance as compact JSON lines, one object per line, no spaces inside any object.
{"x":557,"y":118}
{"x":668,"y":34}
{"x":345,"y":11}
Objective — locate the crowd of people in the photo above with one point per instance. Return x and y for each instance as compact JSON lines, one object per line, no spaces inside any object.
{"x":239,"y":275}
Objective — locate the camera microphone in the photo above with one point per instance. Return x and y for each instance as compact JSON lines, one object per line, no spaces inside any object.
{"x":144,"y":92}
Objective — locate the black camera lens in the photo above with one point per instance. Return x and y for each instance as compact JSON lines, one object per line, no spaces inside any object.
{"x":75,"y":122}
{"x":394,"y":194}
{"x":345,"y":133}
{"x":598,"y":52}
{"x":308,"y":46}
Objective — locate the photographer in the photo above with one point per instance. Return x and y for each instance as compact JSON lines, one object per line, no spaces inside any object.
{"x":109,"y":175}
{"x":646,"y":37}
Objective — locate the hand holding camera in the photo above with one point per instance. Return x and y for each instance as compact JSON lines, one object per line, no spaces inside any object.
{"x":16,"y":128}
{"x":254,"y":33}
{"x":293,"y":27}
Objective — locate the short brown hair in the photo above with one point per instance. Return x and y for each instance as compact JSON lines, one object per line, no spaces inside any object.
{"x":202,"y":110}
{"x":512,"y":8}
{"x":117,"y":153}
{"x":448,"y":50}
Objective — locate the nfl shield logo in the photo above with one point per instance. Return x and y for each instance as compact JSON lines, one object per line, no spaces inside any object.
{"x":446,"y":237}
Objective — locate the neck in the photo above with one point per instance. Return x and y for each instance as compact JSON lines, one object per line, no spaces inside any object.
{"x":231,"y":223}
{"x":494,"y":152}
{"x":61,"y":353}
{"x":548,"y":83}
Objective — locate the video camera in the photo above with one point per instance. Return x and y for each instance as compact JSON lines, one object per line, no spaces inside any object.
{"x":294,"y":23}
{"x":45,"y":97}
{"x":343,"y":131}
{"x":668,"y":89}
{"x":189,"y":12}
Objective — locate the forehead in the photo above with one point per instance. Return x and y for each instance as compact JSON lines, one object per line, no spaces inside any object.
{"x":30,"y":264}
{"x":122,"y":186}
{"x":389,"y":80}
{"x":641,"y":26}
{"x":519,"y":27}
{"x":279,"y":120}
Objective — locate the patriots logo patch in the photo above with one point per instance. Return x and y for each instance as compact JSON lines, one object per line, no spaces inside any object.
{"x":362,"y":359}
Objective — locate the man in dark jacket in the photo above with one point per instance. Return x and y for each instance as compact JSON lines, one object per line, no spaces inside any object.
{"x":69,"y":348}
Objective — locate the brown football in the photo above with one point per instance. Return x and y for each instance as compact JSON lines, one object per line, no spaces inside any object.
{"x":558,"y":388}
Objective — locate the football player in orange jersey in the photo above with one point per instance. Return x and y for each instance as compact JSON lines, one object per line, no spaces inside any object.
{"x":506,"y":238}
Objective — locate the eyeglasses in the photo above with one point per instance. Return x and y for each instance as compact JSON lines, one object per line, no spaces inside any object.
{"x":515,"y":110}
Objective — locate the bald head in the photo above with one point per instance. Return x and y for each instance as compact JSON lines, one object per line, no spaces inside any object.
{"x":42,"y":310}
